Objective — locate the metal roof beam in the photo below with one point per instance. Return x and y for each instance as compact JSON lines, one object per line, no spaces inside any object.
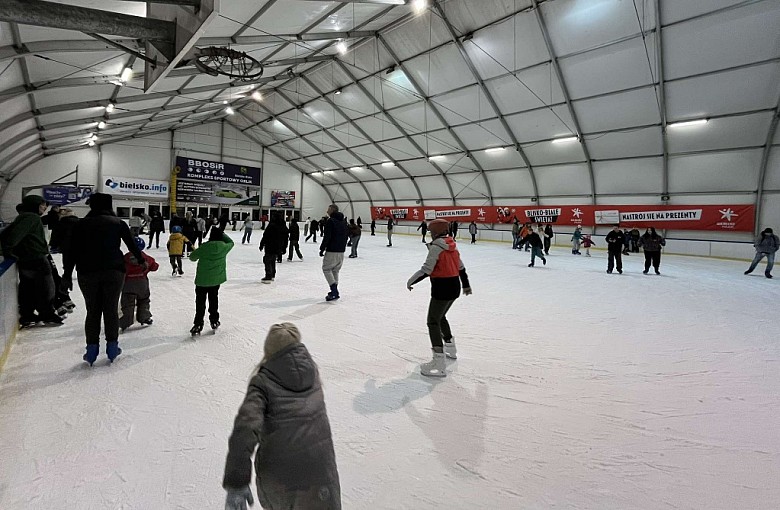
{"x":764,"y":164}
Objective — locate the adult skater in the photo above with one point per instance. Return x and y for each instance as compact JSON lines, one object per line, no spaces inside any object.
{"x":534,"y":240}
{"x":189,"y":229}
{"x":100,"y":264}
{"x":136,"y":222}
{"x":390,"y":223}
{"x":615,"y":241}
{"x":373,"y":227}
{"x":62,"y":240}
{"x":224,"y":218}
{"x":247,"y":227}
{"x":360,"y":223}
{"x":516,"y":235}
{"x":274,"y":243}
{"x":283,"y":417}
{"x":306,"y":227}
{"x":156,"y":226}
{"x":354,"y":236}
{"x":576,"y":240}
{"x":766,"y":246}
{"x":211,"y":273}
{"x":295,"y":238}
{"x":548,"y":236}
{"x":334,"y":243}
{"x":454,"y":229}
{"x":423,"y":227}
{"x":24,"y":239}
{"x":322,"y":223}
{"x":524,"y":237}
{"x":200,"y":228}
{"x":635,"y":236}
{"x":627,"y":242}
{"x":473,"y":232}
{"x":314,"y":226}
{"x":447,"y":274}
{"x":651,"y":242}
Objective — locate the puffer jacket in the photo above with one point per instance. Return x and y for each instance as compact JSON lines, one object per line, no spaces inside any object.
{"x":284,"y":416}
{"x":650,"y":243}
{"x":767,"y":243}
{"x":134,"y":270}
{"x":335,"y":237}
{"x":212,"y":261}
{"x":176,"y":244}
{"x":445,"y":268}
{"x":274,"y":239}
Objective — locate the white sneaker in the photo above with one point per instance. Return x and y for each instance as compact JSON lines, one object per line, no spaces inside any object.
{"x":435,"y":367}
{"x":450,"y":350}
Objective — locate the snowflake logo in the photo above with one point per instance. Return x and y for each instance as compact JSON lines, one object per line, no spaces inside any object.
{"x":481,"y":211}
{"x":726,"y":214}
{"x":576,"y":212}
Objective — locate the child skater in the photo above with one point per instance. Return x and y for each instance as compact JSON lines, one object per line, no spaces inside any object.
{"x":135,"y":293}
{"x":211,"y":273}
{"x":447,"y":273}
{"x":176,"y":249}
{"x":587,"y":242}
{"x":283,"y":415}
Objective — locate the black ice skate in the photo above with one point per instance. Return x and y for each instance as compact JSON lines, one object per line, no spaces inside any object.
{"x":214,"y":326}
{"x":196,"y":329}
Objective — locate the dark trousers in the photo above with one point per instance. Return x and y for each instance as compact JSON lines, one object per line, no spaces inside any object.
{"x":547,"y":242}
{"x":135,"y":302}
{"x":438,"y":327}
{"x":247,"y":236}
{"x":36,"y":289}
{"x":373,"y":228}
{"x":199,"y":236}
{"x":313,"y":234}
{"x":473,"y":238}
{"x":154,"y":235}
{"x":201,"y":293}
{"x":614,"y":259}
{"x":176,"y":263}
{"x":60,"y":295}
{"x":269,"y":259}
{"x":423,"y":236}
{"x":536,"y":251}
{"x":101,"y":291}
{"x":654,"y":258}
{"x":355,"y":243}
{"x":294,"y":247}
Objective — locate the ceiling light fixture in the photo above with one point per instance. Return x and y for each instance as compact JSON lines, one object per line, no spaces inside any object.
{"x":388,"y":164}
{"x":127,"y":73}
{"x":229,"y":110}
{"x":436,"y":158}
{"x":338,"y":92}
{"x":224,"y":101}
{"x":495,"y":149}
{"x":688,"y":123}
{"x":101,"y":125}
{"x":257,"y":96}
{"x":91,"y":143}
{"x":419,"y":6}
{"x":356,"y":168}
{"x":567,"y":139}
{"x":341,"y":46}
{"x":110,"y":108}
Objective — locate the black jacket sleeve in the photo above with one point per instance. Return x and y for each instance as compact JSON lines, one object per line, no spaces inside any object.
{"x":327,"y":235}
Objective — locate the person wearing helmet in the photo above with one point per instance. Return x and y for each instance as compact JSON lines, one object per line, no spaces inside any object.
{"x":448,"y":274}
{"x":135,"y":293}
{"x":176,"y":249}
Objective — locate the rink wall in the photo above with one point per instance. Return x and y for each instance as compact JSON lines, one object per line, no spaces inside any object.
{"x":8,"y":308}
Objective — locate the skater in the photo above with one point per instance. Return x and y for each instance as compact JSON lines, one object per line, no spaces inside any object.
{"x":274,"y":243}
{"x":576,"y":240}
{"x":615,"y":242}
{"x":651,"y":243}
{"x":537,"y":246}
{"x":306,"y":227}
{"x":135,"y":222}
{"x":390,"y":223}
{"x":101,"y":272}
{"x":635,"y":236}
{"x":247,"y":227}
{"x":24,"y":239}
{"x":473,"y":232}
{"x":360,"y":223}
{"x":176,"y":250}
{"x":448,"y":275}
{"x":156,"y":226}
{"x":284,"y":407}
{"x":322,"y":223}
{"x":51,"y":219}
{"x":524,"y":237}
{"x":313,"y":227}
{"x":626,"y":242}
{"x":373,"y":227}
{"x":334,"y":243}
{"x":516,"y":235}
{"x":189,"y":231}
{"x":424,"y":228}
{"x":135,"y":292}
{"x":224,"y":218}
{"x":200,"y":228}
{"x":61,"y":239}
{"x":548,"y":237}
{"x":766,"y":246}
{"x":211,"y":273}
{"x":295,"y":237}
{"x":354,"y":235}
{"x":587,"y":242}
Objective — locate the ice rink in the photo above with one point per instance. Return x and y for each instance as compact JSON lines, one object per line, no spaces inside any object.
{"x":574,"y":388}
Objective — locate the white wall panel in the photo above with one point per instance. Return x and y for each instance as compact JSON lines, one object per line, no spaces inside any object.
{"x":644,"y":175}
{"x":379,"y":192}
{"x":722,"y":133}
{"x":726,"y":171}
{"x":563,"y":180}
{"x":772,"y":179}
{"x":145,"y":158}
{"x":403,"y":189}
{"x":434,"y":187}
{"x":770,"y":213}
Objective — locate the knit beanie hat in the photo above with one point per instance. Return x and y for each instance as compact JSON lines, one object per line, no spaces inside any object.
{"x":30,"y":203}
{"x":439,"y":228}
{"x":100,"y":202}
{"x":280,"y":336}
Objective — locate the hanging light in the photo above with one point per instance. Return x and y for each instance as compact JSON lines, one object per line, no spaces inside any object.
{"x":436,"y":158}
{"x":110,"y":107}
{"x":93,"y":137}
{"x":341,"y":46}
{"x":388,"y":164}
{"x":229,"y":110}
{"x":688,"y":123}
{"x":91,"y":143}
{"x":338,"y":92}
{"x":419,"y":6}
{"x":127,"y":73}
{"x":495,"y":149}
{"x":101,"y":125}
{"x":567,"y":139}
{"x":356,"y":168}
{"x":257,"y":96}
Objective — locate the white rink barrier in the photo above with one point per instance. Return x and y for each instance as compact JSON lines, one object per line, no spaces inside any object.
{"x":9,"y":308}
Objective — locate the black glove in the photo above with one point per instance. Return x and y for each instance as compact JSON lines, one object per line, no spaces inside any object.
{"x":322,"y":253}
{"x":67,"y":283}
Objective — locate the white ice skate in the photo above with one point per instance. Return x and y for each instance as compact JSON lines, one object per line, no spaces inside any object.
{"x":435,"y":367}
{"x":450,"y":350}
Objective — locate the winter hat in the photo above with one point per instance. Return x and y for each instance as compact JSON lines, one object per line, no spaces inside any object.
{"x":176,"y":229}
{"x":439,"y":228}
{"x":216,"y":234}
{"x":100,"y":202}
{"x":280,"y":336}
{"x":140,"y":243}
{"x":768,"y":231}
{"x":30,"y":203}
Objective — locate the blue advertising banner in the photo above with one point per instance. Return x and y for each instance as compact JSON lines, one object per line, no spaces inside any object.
{"x":64,"y":195}
{"x":212,"y":171}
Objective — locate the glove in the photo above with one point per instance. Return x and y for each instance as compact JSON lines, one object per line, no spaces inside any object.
{"x":237,"y":499}
{"x":409,"y":287}
{"x":67,"y":283}
{"x":322,"y":253}
{"x":467,"y":291}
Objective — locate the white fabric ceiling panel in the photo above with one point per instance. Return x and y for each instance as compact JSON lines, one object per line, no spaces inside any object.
{"x":299,"y":122}
{"x":400,"y":149}
{"x":377,"y":127}
{"x":356,"y":191}
{"x":420,"y":167}
{"x":347,"y":135}
{"x":187,"y":98}
{"x":511,"y":183}
{"x":772,"y":179}
{"x":276,"y":103}
{"x":370,"y":154}
{"x":417,"y":117}
{"x":342,"y":177}
{"x":466,"y":16}
{"x":6,"y":39}
{"x":548,"y":153}
{"x":508,"y":158}
{"x":563,"y":180}
{"x":626,"y":64}
{"x":369,"y":57}
{"x":468,"y":185}
{"x":434,"y":187}
{"x":457,"y":163}
{"x":87,"y":124}
{"x":542,"y":124}
{"x":440,"y":71}
{"x":407,"y":41}
{"x":464,"y":105}
{"x":19,"y":128}
{"x":290,"y":16}
{"x":142,"y":105}
{"x":642,"y":175}
{"x":720,"y":41}
{"x":621,"y":144}
{"x":676,"y":11}
{"x":301,"y":147}
{"x":72,"y":65}
{"x":725,"y":171}
{"x":277,"y":129}
{"x":344,"y":158}
{"x":324,"y":78}
{"x":320,"y":163}
{"x":322,"y":142}
{"x":379,"y":191}
{"x":404,"y":189}
{"x":487,"y":134}
{"x":55,"y":97}
{"x":323,"y":113}
{"x":741,"y":90}
{"x":618,"y":111}
{"x":50,"y":118}
{"x":354,"y":103}
{"x":722,"y":133}
{"x":391,"y":91}
{"x":388,"y":172}
{"x":12,"y":77}
{"x":440,"y":142}
{"x":529,"y":89}
{"x":580,"y":24}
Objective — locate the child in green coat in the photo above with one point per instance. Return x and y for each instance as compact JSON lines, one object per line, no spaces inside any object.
{"x":211,"y":273}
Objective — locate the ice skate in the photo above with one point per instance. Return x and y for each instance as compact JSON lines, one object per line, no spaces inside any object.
{"x":173,"y":273}
{"x":147,"y":322}
{"x":334,"y":293}
{"x":450,"y":350}
{"x":181,"y":272}
{"x":196,"y":329}
{"x":436,"y":367}
{"x":92,"y":353}
{"x":112,"y":350}
{"x":657,"y":271}
{"x":266,"y":280}
{"x":644,"y":272}
{"x":215,"y":325}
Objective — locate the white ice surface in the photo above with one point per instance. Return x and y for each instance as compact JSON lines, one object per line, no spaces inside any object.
{"x":574,"y":388}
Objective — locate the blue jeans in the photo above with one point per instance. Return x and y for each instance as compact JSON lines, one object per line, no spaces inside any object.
{"x":770,"y":262}
{"x":536,"y":252}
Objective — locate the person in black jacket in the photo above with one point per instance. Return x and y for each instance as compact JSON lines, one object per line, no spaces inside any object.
{"x":390,"y":223}
{"x":373,"y":227}
{"x":334,"y":244}
{"x":424,"y":228}
{"x":295,"y":237}
{"x":101,"y":271}
{"x":534,"y":240}
{"x":61,"y":241}
{"x":274,"y":243}
{"x":548,"y":236}
{"x":156,"y":226}
{"x":615,"y":241}
{"x":190,"y":231}
{"x":314,"y":226}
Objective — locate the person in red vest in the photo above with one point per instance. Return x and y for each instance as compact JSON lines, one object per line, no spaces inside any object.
{"x":448,"y":275}
{"x":135,"y":292}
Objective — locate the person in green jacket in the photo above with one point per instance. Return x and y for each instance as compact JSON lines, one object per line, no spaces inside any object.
{"x":211,"y":273}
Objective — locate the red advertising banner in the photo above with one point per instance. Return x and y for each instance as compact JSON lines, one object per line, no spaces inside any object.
{"x":733,"y":218}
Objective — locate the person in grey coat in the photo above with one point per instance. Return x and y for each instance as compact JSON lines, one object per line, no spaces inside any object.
{"x":284,"y":416}
{"x":766,"y":246}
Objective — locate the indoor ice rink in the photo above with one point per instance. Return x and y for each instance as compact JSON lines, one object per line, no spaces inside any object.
{"x":573,"y":388}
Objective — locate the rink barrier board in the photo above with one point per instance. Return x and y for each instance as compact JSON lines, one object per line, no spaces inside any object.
{"x":9,"y":324}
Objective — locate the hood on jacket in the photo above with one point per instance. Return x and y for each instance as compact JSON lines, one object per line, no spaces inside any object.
{"x":337,"y":216}
{"x":30,"y":203}
{"x":446,"y":243}
{"x":291,"y":368}
{"x":100,"y":202}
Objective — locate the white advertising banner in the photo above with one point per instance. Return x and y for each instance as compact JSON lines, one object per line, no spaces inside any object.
{"x":132,"y":186}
